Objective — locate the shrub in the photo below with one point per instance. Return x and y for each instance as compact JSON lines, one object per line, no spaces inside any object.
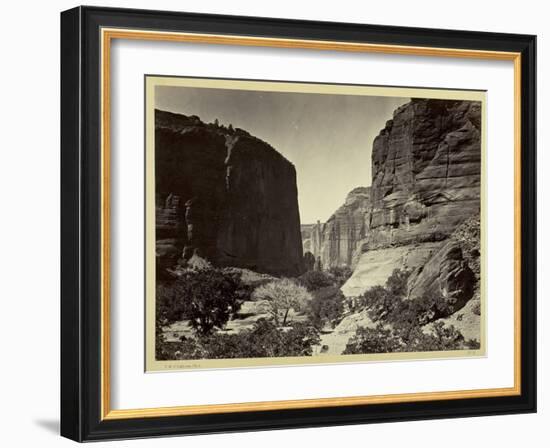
{"x":387,"y":340}
{"x":442,"y":338}
{"x":340,"y":274}
{"x":161,"y":352}
{"x":473,"y":344}
{"x":372,"y":340}
{"x":396,"y":284}
{"x":388,"y":303}
{"x":383,"y":302}
{"x":379,"y":302}
{"x":309,"y":261}
{"x":281,"y":296}
{"x":404,"y":318}
{"x":206,"y":297}
{"x":314,"y":280}
{"x":476,"y":308}
{"x":327,"y":306}
{"x":265,"y":339}
{"x":271,"y":341}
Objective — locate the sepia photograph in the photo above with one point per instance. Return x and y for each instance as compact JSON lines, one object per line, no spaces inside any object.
{"x":282,"y":223}
{"x":292,"y":223}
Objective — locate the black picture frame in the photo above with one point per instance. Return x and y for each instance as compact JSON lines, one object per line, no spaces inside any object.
{"x":81,"y":379}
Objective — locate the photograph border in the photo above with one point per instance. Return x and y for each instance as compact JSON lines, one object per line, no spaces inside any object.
{"x":86,"y":35}
{"x":314,"y":88}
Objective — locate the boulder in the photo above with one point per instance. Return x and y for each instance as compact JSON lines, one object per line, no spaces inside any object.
{"x":447,"y":277}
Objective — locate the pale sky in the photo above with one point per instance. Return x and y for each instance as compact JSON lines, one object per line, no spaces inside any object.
{"x":328,"y":138}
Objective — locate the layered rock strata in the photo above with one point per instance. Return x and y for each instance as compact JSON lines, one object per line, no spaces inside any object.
{"x":426,"y":171}
{"x":423,"y":214}
{"x":426,"y":175}
{"x":335,"y":242}
{"x":224,"y":195}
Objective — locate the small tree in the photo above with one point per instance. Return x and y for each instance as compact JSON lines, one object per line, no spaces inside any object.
{"x":383,"y":302}
{"x":264,"y":339}
{"x":205,"y":297}
{"x":379,"y":302}
{"x":442,"y":338}
{"x":341,"y":274}
{"x":396,"y":284}
{"x":327,"y":306}
{"x":314,"y":280}
{"x":373,"y":340}
{"x":281,"y":296}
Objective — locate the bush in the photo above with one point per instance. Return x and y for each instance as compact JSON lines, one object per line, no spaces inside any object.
{"x":404,"y":319}
{"x":388,"y":340}
{"x":476,"y":308}
{"x":265,"y":339}
{"x":412,"y":313}
{"x":389,"y":304}
{"x":281,"y":296}
{"x":327,"y":306}
{"x":205,"y":297}
{"x":340,"y":274}
{"x":396,"y":284}
{"x":379,"y":302}
{"x":372,"y":340}
{"x":314,"y":280}
{"x":442,"y":338}
{"x":384,"y":301}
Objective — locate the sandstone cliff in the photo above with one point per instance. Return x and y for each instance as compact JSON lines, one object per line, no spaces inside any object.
{"x":425,"y":172}
{"x":335,"y":241}
{"x":423,"y":214}
{"x":225,"y":195}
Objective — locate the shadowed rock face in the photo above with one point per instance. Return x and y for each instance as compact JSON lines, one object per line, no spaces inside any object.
{"x":447,"y":276}
{"x":224,"y":195}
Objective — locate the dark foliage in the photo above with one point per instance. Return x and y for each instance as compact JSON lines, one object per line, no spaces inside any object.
{"x":340,"y":274}
{"x":314,"y":280}
{"x":373,"y":340}
{"x":389,"y":304}
{"x":327,"y":306}
{"x":205,"y":297}
{"x":441,"y":338}
{"x":265,"y":339}
{"x":400,"y":321}
{"x":387,"y":340}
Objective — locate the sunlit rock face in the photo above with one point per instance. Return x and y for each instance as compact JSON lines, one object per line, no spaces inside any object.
{"x":225,"y":195}
{"x":426,"y":176}
{"x":426,"y":172}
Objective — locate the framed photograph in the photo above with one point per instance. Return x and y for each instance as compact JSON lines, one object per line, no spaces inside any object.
{"x":273,"y":224}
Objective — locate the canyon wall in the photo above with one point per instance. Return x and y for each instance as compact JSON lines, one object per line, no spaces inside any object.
{"x":426,"y":181}
{"x":224,"y":195}
{"x":423,"y":215}
{"x":335,"y":242}
{"x":426,"y":166}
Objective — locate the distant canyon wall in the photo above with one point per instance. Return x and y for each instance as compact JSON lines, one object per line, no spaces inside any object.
{"x":334,"y":243}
